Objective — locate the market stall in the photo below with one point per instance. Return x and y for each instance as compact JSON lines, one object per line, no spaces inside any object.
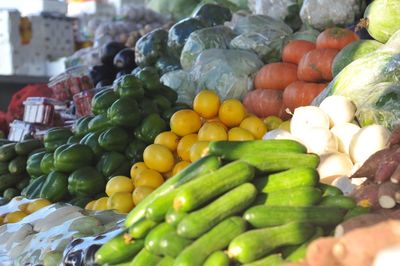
{"x":209,"y":133}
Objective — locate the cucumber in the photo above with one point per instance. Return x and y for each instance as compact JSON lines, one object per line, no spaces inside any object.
{"x":255,"y":244}
{"x":141,"y":228}
{"x":217,"y":258}
{"x":166,"y":261}
{"x":300,"y":196}
{"x":233,"y":202}
{"x":296,"y":177}
{"x":202,"y":166}
{"x":280,"y":161}
{"x":7,"y":152}
{"x":298,"y":253}
{"x":174,"y":217}
{"x":153,"y":239}
{"x":217,"y":238}
{"x":271,"y":260}
{"x":234,"y":150}
{"x":3,"y":168}
{"x":27,"y":146}
{"x":119,"y":249}
{"x":356,"y":211}
{"x":266,"y":216}
{"x":171,"y":244}
{"x":328,"y":190}
{"x":343,"y":202}
{"x":17,"y":165}
{"x":145,"y":258}
{"x":201,"y":190}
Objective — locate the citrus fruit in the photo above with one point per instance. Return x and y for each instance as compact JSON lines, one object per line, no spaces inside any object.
{"x":159,"y":158}
{"x":14,"y":217}
{"x":285,"y":125}
{"x":272,"y":122}
{"x":168,"y":139}
{"x":217,"y":121}
{"x":255,"y":126}
{"x":185,"y":122}
{"x":179,"y":167}
{"x":206,"y":103}
{"x":212,"y":132}
{"x":149,"y":178}
{"x":231,"y":112}
{"x":90,"y":205}
{"x":119,"y":184}
{"x":136,"y":168}
{"x":239,"y":134}
{"x":184,"y":146}
{"x":100,"y":204}
{"x":121,"y":202}
{"x":198,"y":150}
{"x":37,"y":205}
{"x":140,"y":193}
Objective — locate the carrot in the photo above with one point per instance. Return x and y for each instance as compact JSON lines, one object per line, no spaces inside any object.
{"x":275,"y":76}
{"x":295,"y":50}
{"x":300,"y":93}
{"x":316,"y":65}
{"x":336,"y":38}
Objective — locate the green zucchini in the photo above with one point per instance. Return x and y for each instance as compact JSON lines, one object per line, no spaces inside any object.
{"x":217,"y":238}
{"x":270,"y":260}
{"x":298,"y":252}
{"x":258,"y":243}
{"x":300,"y":196}
{"x":119,"y":249}
{"x":217,"y":258}
{"x":7,"y":152}
{"x":343,"y":202}
{"x":356,"y":211}
{"x":328,"y":190}
{"x":233,"y":202}
{"x":171,"y":244}
{"x":27,"y":146}
{"x":174,"y":217}
{"x":280,"y":161}
{"x":201,"y":190}
{"x":141,"y":228}
{"x":202,"y":166}
{"x":166,"y":261}
{"x":266,"y":216}
{"x":234,"y":150}
{"x":153,"y":239}
{"x":296,"y":177}
{"x":145,"y":258}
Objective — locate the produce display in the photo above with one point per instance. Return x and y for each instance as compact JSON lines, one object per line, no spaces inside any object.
{"x":222,"y":138}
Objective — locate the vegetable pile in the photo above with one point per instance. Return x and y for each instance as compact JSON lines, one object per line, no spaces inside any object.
{"x":256,"y":191}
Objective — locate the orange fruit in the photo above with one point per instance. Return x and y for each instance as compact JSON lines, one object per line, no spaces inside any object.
{"x":140,"y":193}
{"x":179,"y":167}
{"x":100,"y":204}
{"x":184,"y":146}
{"x":206,"y":103}
{"x":231,"y":112}
{"x":185,"y":122}
{"x":119,"y":184}
{"x":255,"y":126}
{"x":239,"y":134}
{"x":159,"y":158}
{"x":198,"y":150}
{"x":212,"y":132}
{"x":149,"y":178}
{"x":121,"y":202}
{"x":14,"y":217}
{"x":217,"y":121}
{"x":136,"y":168}
{"x":37,"y":205}
{"x":168,"y":139}
{"x":90,"y":205}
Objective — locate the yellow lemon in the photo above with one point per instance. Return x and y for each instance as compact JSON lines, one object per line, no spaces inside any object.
{"x":185,"y":122}
{"x":159,"y":158}
{"x":119,"y":184}
{"x":206,"y":103}
{"x":168,"y":139}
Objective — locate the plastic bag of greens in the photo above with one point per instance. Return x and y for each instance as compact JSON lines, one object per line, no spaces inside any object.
{"x":200,"y":40}
{"x":258,"y":23}
{"x":321,"y":14}
{"x":268,"y":45}
{"x":182,"y":83}
{"x":228,"y":72}
{"x":381,"y":105}
{"x":176,"y":9}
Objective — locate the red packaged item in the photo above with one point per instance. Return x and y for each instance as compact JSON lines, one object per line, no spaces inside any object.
{"x":83,"y":101}
{"x":71,"y":82}
{"x":41,"y":110}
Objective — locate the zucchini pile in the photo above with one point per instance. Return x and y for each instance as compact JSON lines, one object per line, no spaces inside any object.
{"x":245,"y":203}
{"x":13,"y":161}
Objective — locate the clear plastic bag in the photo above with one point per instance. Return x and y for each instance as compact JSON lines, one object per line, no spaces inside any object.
{"x":278,"y":9}
{"x":228,"y":72}
{"x":200,"y":40}
{"x":321,"y":14}
{"x":182,"y":83}
{"x":381,"y":105}
{"x":258,"y":23}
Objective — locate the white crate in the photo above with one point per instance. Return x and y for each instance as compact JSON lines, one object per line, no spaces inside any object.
{"x":29,"y":7}
{"x":13,"y":60}
{"x":9,"y":27}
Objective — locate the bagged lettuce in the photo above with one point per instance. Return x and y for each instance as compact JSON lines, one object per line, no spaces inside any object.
{"x":182,"y":83}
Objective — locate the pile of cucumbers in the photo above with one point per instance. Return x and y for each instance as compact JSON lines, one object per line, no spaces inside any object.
{"x":245,"y":203}
{"x":13,"y":161}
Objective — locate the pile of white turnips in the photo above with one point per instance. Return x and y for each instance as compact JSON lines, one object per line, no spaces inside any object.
{"x":331,"y":132}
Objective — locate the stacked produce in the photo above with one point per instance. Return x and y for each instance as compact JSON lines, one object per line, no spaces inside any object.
{"x":13,"y":161}
{"x":256,"y":190}
{"x":18,"y":208}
